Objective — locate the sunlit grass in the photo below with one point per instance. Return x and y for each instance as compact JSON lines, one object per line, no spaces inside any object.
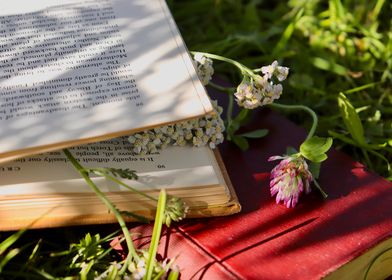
{"x":330,"y":46}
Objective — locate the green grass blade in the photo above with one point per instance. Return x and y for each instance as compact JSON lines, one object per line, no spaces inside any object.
{"x":329,"y":65}
{"x":351,"y":120}
{"x":10,"y":240}
{"x":156,"y":234}
{"x":10,"y":255}
{"x":281,"y":45}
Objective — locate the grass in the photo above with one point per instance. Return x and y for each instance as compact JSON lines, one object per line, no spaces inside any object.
{"x":332,"y":47}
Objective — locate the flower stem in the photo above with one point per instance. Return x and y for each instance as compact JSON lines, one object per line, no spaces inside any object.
{"x":243,"y":68}
{"x":323,"y":193}
{"x":106,"y":201}
{"x":367,"y":159}
{"x":304,"y":108}
{"x":156,"y":234}
{"x":114,"y":179}
{"x":228,"y":90}
{"x":230,"y":108}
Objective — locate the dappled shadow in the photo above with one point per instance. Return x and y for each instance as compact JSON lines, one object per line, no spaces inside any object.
{"x":354,"y":218}
{"x":99,"y":70}
{"x":156,"y":86}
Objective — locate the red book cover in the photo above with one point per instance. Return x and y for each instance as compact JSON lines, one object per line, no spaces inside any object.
{"x":270,"y":241}
{"x":316,"y":239}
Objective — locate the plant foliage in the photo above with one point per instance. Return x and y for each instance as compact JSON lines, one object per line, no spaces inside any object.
{"x":330,"y":47}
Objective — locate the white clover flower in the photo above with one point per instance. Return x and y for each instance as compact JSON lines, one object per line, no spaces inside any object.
{"x":269,"y":70}
{"x":196,"y":141}
{"x":280,"y":72}
{"x":152,"y":147}
{"x":247,"y":95}
{"x":199,"y":132}
{"x":204,"y":68}
{"x":157,"y":141}
{"x":137,"y":270}
{"x":140,"y":270}
{"x":259,"y":90}
{"x":132,"y":139}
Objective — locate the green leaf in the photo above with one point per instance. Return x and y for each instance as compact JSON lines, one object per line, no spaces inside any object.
{"x":316,"y":157}
{"x":241,"y":142}
{"x":10,"y":240}
{"x":233,"y":126}
{"x":259,"y":133}
{"x":85,"y":270}
{"x":113,"y":273}
{"x":10,"y":255}
{"x":288,"y":32}
{"x":317,"y":144}
{"x":342,"y":137}
{"x":351,"y":119}
{"x":314,"y":168}
{"x":242,"y":115}
{"x":329,"y":65}
{"x":314,"y":148}
{"x":241,"y":118}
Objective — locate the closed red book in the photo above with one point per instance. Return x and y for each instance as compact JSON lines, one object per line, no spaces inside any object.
{"x":338,"y":237}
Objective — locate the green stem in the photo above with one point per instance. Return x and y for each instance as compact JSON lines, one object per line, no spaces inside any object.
{"x":367,"y":159}
{"x":157,"y":229}
{"x":114,"y":179}
{"x":230,"y":106}
{"x":383,"y":158}
{"x":174,"y":275}
{"x":377,"y":9}
{"x":324,"y":194}
{"x":106,"y":201}
{"x":228,"y":90}
{"x":304,"y":108}
{"x":360,"y":88}
{"x":240,"y":66}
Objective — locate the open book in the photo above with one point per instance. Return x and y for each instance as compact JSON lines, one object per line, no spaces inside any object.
{"x":74,"y":72}
{"x":46,"y":191}
{"x":80,"y":71}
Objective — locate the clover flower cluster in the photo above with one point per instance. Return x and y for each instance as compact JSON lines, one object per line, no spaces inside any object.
{"x":176,"y":210}
{"x":207,"y":130}
{"x":204,"y":68}
{"x":259,"y":90}
{"x":289,"y":179}
{"x":137,"y":269}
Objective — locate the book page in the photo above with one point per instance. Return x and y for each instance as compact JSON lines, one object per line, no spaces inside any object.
{"x":52,"y":173}
{"x":77,"y":71}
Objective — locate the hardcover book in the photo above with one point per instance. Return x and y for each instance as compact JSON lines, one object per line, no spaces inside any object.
{"x":74,"y":72}
{"x":46,"y":191}
{"x":346,"y":236}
